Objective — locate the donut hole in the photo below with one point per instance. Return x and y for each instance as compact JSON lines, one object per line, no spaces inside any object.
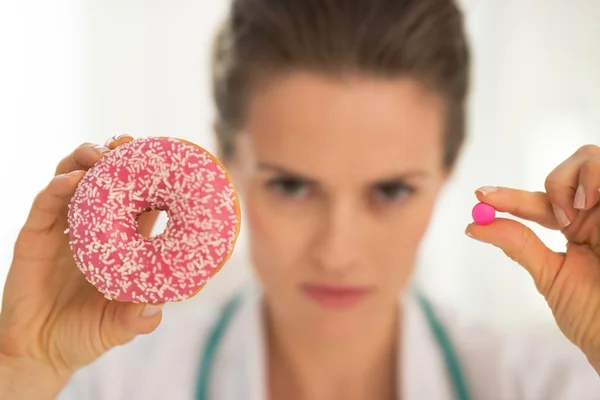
{"x":143,"y":223}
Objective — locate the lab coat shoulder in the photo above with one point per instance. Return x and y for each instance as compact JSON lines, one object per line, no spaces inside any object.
{"x":524,"y":366}
{"x":159,"y":365}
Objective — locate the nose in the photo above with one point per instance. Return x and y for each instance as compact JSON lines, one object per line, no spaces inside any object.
{"x":337,"y":244}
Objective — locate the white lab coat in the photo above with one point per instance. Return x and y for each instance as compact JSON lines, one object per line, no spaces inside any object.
{"x":164,"y":365}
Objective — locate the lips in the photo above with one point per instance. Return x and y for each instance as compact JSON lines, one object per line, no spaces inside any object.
{"x":335,"y":296}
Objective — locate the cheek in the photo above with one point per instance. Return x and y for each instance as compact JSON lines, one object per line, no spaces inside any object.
{"x":400,"y":238}
{"x":277,"y":241}
{"x":419,"y":215}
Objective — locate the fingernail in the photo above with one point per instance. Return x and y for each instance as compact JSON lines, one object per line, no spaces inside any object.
{"x":485,"y":190}
{"x":109,"y":141}
{"x":150,"y":310}
{"x":561,"y":216}
{"x":469,"y":234}
{"x":579,"y":202}
{"x":101,"y":149}
{"x":115,"y":138}
{"x":77,"y":171}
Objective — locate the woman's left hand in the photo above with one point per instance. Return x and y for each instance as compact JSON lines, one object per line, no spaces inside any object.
{"x":570,"y":282}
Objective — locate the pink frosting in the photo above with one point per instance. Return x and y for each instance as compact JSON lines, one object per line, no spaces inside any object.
{"x":153,"y":173}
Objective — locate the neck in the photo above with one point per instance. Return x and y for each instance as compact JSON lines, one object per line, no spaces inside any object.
{"x":362,"y":366}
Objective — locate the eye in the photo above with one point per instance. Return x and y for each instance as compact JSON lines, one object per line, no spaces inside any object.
{"x":289,"y":187}
{"x":390,"y":192}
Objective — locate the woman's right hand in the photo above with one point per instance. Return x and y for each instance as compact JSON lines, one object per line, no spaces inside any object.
{"x":52,"y":320}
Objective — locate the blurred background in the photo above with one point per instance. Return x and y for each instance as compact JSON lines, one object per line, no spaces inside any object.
{"x":74,"y":71}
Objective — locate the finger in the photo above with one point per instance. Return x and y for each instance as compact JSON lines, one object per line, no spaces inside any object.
{"x":532,"y":206}
{"x":127,"y":320}
{"x":50,"y":203}
{"x":117,"y":141}
{"x":562,"y":184}
{"x":523,"y":246}
{"x":83,"y":158}
{"x":588,"y":191}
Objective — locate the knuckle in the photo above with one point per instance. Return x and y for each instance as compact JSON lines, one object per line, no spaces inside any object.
{"x":8,"y":342}
{"x":524,"y":242}
{"x":117,"y":138}
{"x":551,"y":184}
{"x":110,"y":140}
{"x":511,"y":256}
{"x":518,"y":255}
{"x":588,"y":150}
{"x":83,"y":147}
{"x":591,"y":165}
{"x":61,"y":165}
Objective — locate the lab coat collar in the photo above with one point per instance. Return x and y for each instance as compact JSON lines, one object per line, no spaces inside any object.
{"x":422,"y":369}
{"x":240,"y":368}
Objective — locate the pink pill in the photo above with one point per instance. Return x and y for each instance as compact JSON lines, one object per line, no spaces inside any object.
{"x":483,"y":214}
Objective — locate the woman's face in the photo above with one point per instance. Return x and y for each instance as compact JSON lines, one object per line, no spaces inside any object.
{"x":338,"y":179}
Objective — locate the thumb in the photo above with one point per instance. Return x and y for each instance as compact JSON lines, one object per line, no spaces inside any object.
{"x":49,"y":205}
{"x":523,"y":246}
{"x":130,"y":320}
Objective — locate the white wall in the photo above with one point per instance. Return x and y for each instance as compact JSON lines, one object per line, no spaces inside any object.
{"x":84,"y":70}
{"x":534,"y":102}
{"x":44,"y":87}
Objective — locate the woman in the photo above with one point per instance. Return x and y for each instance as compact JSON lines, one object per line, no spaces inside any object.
{"x":340,"y":122}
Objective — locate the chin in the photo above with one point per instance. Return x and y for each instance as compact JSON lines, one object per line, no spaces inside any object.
{"x":333,"y":323}
{"x":334,"y":328}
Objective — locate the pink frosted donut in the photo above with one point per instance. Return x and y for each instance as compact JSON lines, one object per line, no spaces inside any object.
{"x":172,"y":175}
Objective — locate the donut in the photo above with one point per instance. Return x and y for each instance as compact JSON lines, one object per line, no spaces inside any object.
{"x":156,"y":173}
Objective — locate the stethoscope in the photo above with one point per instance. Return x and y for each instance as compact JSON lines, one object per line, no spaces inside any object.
{"x":453,"y":366}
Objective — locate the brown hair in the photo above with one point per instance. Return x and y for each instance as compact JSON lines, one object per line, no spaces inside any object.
{"x":420,"y":39}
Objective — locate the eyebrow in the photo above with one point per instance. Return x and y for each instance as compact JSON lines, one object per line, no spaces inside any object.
{"x":284,"y":171}
{"x":400,"y":177}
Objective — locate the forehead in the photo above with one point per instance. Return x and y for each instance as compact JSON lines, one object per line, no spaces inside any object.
{"x":357,"y":126}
